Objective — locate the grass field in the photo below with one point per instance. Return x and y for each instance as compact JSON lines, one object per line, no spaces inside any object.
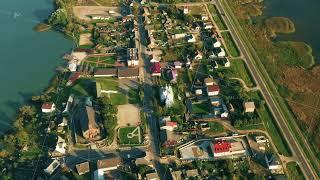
{"x":124,"y":139}
{"x":238,"y":69}
{"x":231,"y":45}
{"x":108,"y":83}
{"x":108,"y":3}
{"x":118,"y":99}
{"x":200,"y":108}
{"x":82,"y":88}
{"x":294,"y":171}
{"x":103,"y":59}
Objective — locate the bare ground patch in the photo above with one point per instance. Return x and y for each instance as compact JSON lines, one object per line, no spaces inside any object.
{"x":128,"y":114}
{"x":83,"y":12}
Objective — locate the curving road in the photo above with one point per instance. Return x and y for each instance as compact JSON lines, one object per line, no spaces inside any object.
{"x":295,"y":147}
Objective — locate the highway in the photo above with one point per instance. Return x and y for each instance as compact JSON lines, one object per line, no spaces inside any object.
{"x":292,"y":142}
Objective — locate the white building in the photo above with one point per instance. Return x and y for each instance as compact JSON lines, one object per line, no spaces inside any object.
{"x":61,"y":145}
{"x":249,"y":107}
{"x":221,"y":52}
{"x":132,"y":55}
{"x":204,"y":18}
{"x":216,"y":43}
{"x":273,"y":163}
{"x":167,"y":96}
{"x":106,"y":165}
{"x":48,"y":107}
{"x":52,"y":167}
{"x":179,"y":36}
{"x":170,"y":125}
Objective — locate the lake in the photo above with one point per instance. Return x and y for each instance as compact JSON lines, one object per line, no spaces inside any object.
{"x":304,"y":14}
{"x":28,"y":59}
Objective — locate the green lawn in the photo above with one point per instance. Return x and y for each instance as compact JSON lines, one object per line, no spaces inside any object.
{"x":118,"y":99}
{"x":108,"y":83}
{"x":83,"y":87}
{"x":238,"y":69}
{"x":103,"y":59}
{"x":231,"y":45}
{"x":216,"y":127}
{"x":123,"y":138}
{"x":133,"y":96}
{"x":294,"y":171}
{"x":200,"y":108}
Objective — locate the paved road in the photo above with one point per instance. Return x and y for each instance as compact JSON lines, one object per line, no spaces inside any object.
{"x":296,"y":149}
{"x":153,"y":123}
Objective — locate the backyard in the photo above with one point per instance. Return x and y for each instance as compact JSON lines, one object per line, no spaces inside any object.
{"x":200,"y":108}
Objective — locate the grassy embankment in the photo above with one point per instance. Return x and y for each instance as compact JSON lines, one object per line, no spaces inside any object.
{"x":294,"y":171}
{"x":272,"y":88}
{"x":217,"y":17}
{"x":230,"y":44}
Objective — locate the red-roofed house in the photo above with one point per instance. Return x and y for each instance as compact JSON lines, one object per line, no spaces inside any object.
{"x":170,"y":125}
{"x":48,"y":107}
{"x":213,"y":90}
{"x":221,"y":148}
{"x":73,"y":77}
{"x":156,"y":69}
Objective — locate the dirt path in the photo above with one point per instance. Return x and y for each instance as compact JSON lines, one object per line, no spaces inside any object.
{"x":246,"y":88}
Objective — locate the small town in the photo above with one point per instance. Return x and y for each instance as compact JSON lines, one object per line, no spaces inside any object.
{"x":158,"y":91}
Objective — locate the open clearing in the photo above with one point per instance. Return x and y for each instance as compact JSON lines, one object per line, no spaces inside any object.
{"x":128,"y":114}
{"x":85,"y":39}
{"x":83,"y":12}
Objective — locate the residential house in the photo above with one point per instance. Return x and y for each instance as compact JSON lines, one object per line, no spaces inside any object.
{"x":128,"y":73}
{"x":48,"y":107}
{"x":185,"y":10}
{"x":221,"y":52}
{"x":100,"y":17}
{"x":53,"y":166}
{"x":73,"y":77}
{"x":167,"y":96}
{"x":106,"y":165}
{"x":177,"y":65}
{"x":204,"y":18}
{"x":169,"y":138}
{"x":132,"y":57}
{"x":273,"y":163}
{"x":208,"y":25}
{"x":156,"y":69}
{"x":173,"y":74}
{"x":192,"y":173}
{"x":89,"y":127}
{"x":169,"y":125}
{"x":216,"y":43}
{"x":198,"y":91}
{"x":152,"y":176}
{"x":261,"y":139}
{"x":213,"y":90}
{"x":155,"y":58}
{"x":249,"y":107}
{"x":179,"y":36}
{"x":176,"y":175}
{"x":218,"y":106}
{"x":105,"y":72}
{"x":61,"y":147}
{"x":198,"y":56}
{"x":191,"y":38}
{"x":209,"y":81}
{"x":83,"y":168}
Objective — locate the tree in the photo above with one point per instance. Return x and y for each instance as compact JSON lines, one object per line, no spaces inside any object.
{"x":59,"y":18}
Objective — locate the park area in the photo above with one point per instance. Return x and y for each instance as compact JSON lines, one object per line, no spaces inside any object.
{"x":130,"y":135}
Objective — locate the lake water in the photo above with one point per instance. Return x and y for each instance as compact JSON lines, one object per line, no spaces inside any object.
{"x":27,"y":59}
{"x":304,"y":14}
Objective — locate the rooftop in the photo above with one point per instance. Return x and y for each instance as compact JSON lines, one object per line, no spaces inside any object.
{"x":108,"y":163}
{"x":83,"y":168}
{"x":128,"y":72}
